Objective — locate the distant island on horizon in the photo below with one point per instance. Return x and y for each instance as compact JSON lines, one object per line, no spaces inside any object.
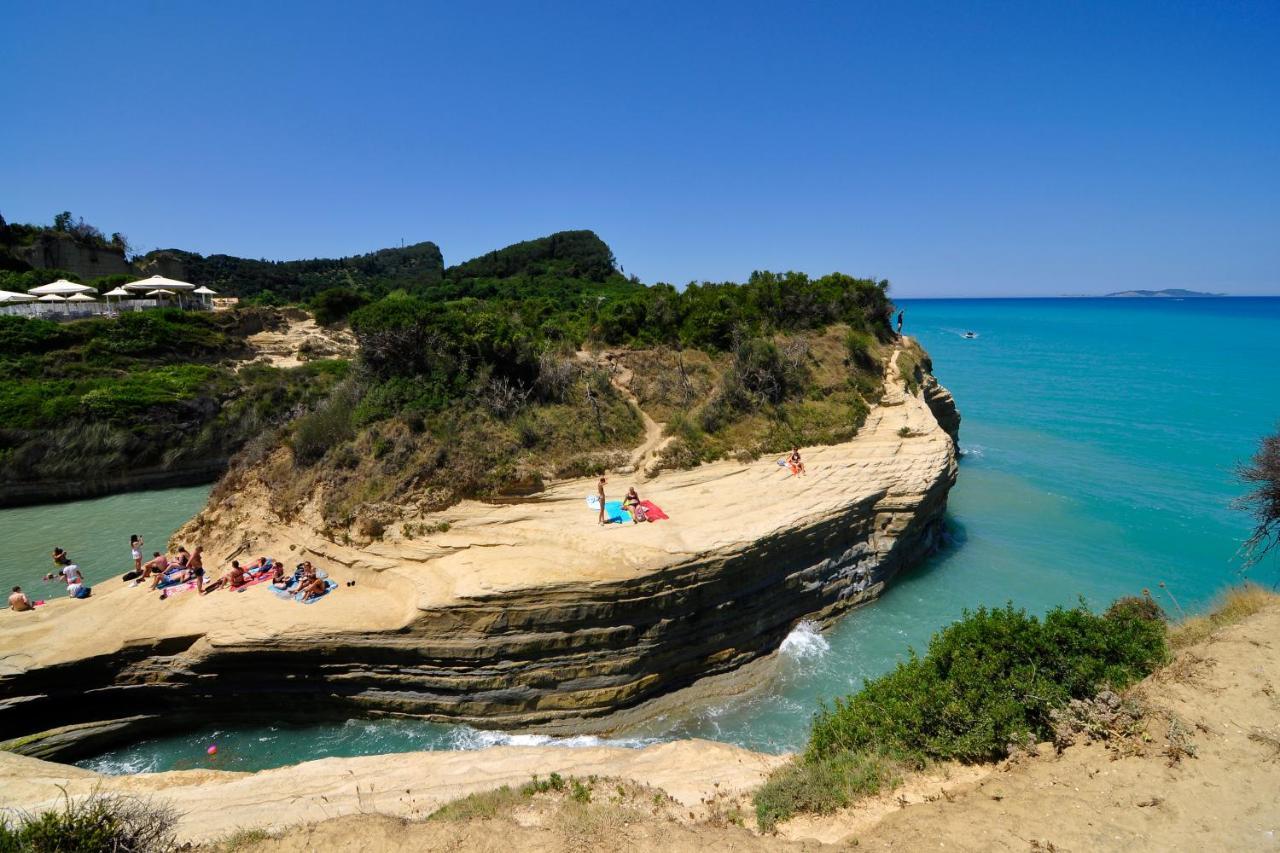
{"x":1177,"y":292}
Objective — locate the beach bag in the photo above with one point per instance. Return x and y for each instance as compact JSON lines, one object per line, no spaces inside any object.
{"x":130,"y":575}
{"x":83,"y":592}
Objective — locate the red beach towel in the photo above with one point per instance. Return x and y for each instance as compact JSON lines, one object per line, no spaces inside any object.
{"x":652,"y":512}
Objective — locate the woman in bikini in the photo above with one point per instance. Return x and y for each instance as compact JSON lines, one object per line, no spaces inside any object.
{"x":135,"y":549}
{"x":794,"y":463}
{"x":314,"y":589}
{"x":631,"y":503}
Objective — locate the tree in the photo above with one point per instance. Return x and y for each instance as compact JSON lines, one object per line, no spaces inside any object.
{"x":62,"y":222}
{"x":1263,"y":501}
{"x":121,"y":242}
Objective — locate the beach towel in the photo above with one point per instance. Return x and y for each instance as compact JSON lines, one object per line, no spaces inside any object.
{"x":173,"y":589}
{"x":254,"y":580}
{"x":652,"y":512}
{"x":593,"y":502}
{"x":168,"y":584}
{"x":329,"y":586}
{"x":614,"y":513}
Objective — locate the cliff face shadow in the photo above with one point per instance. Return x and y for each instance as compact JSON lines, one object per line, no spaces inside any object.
{"x":955,"y":535}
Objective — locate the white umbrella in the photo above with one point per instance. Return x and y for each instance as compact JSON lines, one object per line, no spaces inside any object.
{"x":81,"y":297}
{"x":159,"y":282}
{"x":119,"y":291}
{"x":60,"y":287}
{"x":53,"y":297}
{"x":159,"y":293}
{"x":205,"y":292}
{"x":10,"y":296}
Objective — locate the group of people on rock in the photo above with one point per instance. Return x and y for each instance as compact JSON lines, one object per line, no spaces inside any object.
{"x":164,"y":572}
{"x":188,"y":567}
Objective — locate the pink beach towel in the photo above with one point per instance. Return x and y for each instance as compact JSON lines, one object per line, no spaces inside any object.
{"x":652,"y":512}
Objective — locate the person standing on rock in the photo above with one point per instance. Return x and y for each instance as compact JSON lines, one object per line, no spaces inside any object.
{"x":600,"y":495}
{"x":899,"y":323}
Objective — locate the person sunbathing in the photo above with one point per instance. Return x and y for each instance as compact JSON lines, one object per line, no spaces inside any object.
{"x":18,"y":600}
{"x":158,"y":563}
{"x":278,"y":578}
{"x":306,"y":575}
{"x":794,"y":462}
{"x":175,"y":575}
{"x":314,"y":589}
{"x":233,"y":579}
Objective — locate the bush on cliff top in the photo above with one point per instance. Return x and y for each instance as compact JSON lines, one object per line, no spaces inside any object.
{"x":99,"y":822}
{"x":986,"y":682}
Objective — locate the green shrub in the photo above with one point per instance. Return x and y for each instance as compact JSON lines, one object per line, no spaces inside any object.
{"x":100,"y":822}
{"x":859,"y":347}
{"x":329,"y":425}
{"x":822,"y":786}
{"x":987,"y":681}
{"x":336,"y":304}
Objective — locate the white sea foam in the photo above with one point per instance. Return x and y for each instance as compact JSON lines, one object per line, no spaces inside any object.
{"x":805,"y":642}
{"x":976,"y":450}
{"x":465,"y":737}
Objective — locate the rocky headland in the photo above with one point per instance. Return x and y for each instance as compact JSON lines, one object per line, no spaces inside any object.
{"x":519,"y":614}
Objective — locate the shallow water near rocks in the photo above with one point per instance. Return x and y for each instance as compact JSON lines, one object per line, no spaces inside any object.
{"x":1100,"y":439}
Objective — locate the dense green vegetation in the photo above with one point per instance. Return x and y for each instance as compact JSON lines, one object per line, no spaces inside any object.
{"x":485,"y":381}
{"x":480,"y":379}
{"x":100,"y":823}
{"x":149,"y":391}
{"x":986,"y":683}
{"x":281,"y":282}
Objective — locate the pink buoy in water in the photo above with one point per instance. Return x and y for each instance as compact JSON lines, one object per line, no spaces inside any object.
{"x":213,"y":749}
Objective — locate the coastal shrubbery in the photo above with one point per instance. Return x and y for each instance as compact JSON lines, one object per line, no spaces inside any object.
{"x":112,"y":396}
{"x":986,"y":683}
{"x":99,"y":822}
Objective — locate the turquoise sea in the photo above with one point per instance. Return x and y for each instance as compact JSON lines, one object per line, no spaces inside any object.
{"x":1100,"y":438}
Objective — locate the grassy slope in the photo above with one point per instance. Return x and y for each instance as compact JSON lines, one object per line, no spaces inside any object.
{"x":159,"y":391}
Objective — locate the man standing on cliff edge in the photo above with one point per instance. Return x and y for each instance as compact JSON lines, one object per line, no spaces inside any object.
{"x":899,"y":323}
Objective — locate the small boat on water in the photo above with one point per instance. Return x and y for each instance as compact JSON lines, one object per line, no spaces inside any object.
{"x":969,"y":335}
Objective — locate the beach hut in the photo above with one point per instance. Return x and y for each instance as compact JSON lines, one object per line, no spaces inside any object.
{"x":61,"y":287}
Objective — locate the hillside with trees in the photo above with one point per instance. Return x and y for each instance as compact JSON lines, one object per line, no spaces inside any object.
{"x":489,"y":377}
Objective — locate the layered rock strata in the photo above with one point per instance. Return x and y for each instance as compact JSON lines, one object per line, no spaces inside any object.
{"x":516,"y":615}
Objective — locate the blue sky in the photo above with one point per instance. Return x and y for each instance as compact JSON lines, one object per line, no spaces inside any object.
{"x":1016,"y":148}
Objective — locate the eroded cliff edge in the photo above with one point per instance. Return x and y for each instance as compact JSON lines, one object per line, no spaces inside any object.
{"x":524,"y":614}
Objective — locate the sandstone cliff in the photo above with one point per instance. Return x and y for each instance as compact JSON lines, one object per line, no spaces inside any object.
{"x":59,"y":251}
{"x":522,"y":614}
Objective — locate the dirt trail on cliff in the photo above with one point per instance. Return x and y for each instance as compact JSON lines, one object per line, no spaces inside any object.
{"x":301,"y":341}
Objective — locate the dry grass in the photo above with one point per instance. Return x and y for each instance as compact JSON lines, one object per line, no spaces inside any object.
{"x":1233,"y":606}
